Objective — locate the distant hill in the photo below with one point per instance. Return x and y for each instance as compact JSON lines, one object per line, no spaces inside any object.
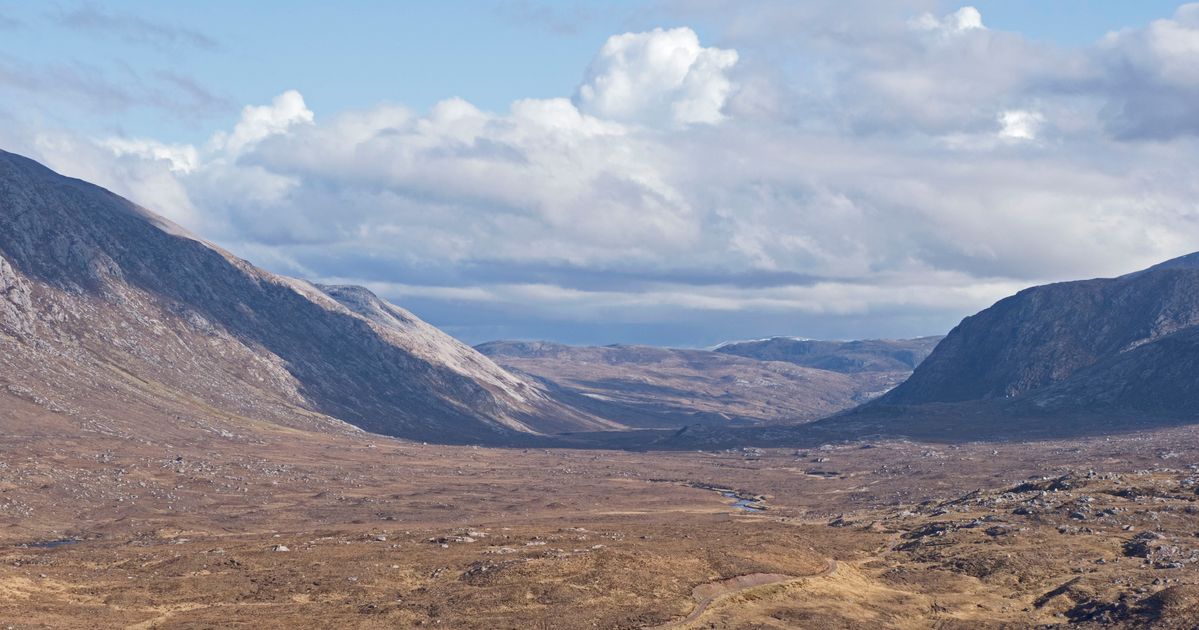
{"x":849,"y":357}
{"x":645,"y":387}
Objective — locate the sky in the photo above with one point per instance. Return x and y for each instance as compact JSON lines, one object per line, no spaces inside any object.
{"x":668,"y":172}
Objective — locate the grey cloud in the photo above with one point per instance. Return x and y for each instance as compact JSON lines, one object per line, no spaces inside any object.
{"x":133,"y":29}
{"x":476,"y":323}
{"x":88,"y":86}
{"x":346,"y":260}
{"x":1151,"y":78}
{"x":479,"y":149}
{"x":76,"y":80}
{"x":195,"y":97}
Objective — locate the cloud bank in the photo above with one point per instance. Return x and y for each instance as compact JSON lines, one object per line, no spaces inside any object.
{"x":879,"y":176}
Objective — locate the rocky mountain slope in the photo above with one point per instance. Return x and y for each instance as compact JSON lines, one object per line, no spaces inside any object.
{"x":1045,"y":335}
{"x":1085,"y":356}
{"x":850,"y":357}
{"x":645,"y":387}
{"x":104,"y":305}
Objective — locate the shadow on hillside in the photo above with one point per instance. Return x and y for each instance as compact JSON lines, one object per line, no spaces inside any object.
{"x":80,"y":237}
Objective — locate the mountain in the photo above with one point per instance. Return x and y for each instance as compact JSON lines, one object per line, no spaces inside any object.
{"x":1045,"y":335}
{"x":849,"y":357}
{"x":645,"y":387}
{"x":1065,"y":358}
{"x":104,"y":305}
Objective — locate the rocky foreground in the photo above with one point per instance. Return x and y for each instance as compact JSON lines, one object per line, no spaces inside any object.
{"x":282,"y":528}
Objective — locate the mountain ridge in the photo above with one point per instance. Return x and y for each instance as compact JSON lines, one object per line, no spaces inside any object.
{"x":86,"y":273}
{"x":854,"y":356}
{"x":1086,"y":357}
{"x":1042,"y":335}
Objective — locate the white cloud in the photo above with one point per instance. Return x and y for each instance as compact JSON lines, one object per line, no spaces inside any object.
{"x":144,"y":176}
{"x":960,"y":21}
{"x":182,"y":158}
{"x":891,"y":172}
{"x":658,"y":77}
{"x":258,"y":123}
{"x":1019,"y":124}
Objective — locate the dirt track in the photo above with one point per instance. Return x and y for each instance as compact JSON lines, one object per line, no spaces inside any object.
{"x":705,"y":594}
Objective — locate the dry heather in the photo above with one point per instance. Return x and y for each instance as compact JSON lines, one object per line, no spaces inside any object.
{"x":266,"y":526}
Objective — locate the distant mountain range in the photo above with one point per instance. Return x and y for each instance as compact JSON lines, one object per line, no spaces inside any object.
{"x":647,"y":387}
{"x":848,"y":357}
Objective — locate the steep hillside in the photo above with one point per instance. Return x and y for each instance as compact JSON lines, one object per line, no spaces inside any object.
{"x":1044,"y":335}
{"x":642,"y":386}
{"x":1076,"y":358}
{"x":1157,"y":379}
{"x":98,"y":295}
{"x":850,"y":357}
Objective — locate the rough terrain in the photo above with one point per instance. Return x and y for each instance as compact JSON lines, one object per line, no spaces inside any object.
{"x":648,"y":387}
{"x":269,"y":526}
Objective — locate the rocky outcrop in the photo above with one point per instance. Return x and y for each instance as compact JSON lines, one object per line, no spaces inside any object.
{"x":16,"y":302}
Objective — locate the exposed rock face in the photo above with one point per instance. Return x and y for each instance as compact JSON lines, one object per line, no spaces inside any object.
{"x":1159,"y":379}
{"x":1068,"y":359}
{"x":1046,"y":335}
{"x":641,"y":386}
{"x":850,"y":357}
{"x":15,"y":301}
{"x":93,"y":285}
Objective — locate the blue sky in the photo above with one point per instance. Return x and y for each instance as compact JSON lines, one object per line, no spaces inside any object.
{"x":355,"y":54}
{"x":1071,"y":22}
{"x":339,"y":55}
{"x":677,"y":172}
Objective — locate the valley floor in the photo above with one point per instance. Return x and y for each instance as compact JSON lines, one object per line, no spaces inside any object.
{"x":291,"y":529}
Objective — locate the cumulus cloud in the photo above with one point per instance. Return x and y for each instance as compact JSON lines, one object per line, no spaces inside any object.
{"x":892,"y":180}
{"x":1150,"y":77}
{"x":259,"y":122}
{"x":887,"y":68}
{"x":964,"y":19}
{"x":658,"y":77}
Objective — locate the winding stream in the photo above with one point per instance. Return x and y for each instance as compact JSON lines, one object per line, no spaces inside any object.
{"x":742,"y":502}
